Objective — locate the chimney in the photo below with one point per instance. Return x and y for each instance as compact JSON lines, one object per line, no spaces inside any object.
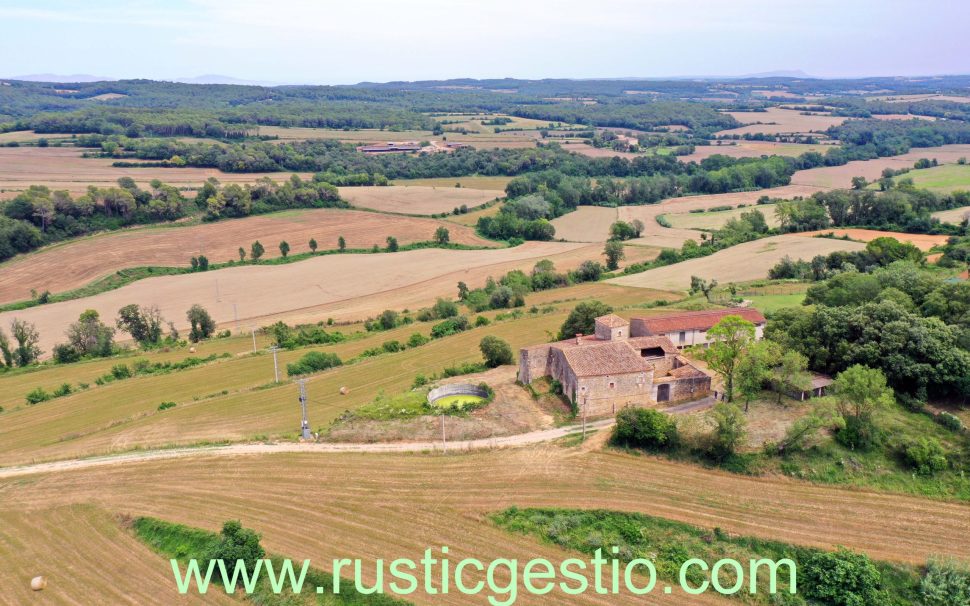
{"x":579,"y":338}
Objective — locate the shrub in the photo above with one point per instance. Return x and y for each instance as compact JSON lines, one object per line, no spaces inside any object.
{"x":925,"y":455}
{"x":645,"y":428}
{"x":63,"y":390}
{"x":417,"y":340}
{"x":950,"y":421}
{"x":392,"y":346}
{"x":313,"y":361}
{"x":449,"y":327}
{"x":859,"y":433}
{"x":166,"y":405}
{"x":443,"y":308}
{"x":843,"y":578}
{"x":37,"y":396}
{"x":419,"y":381}
{"x":120,"y":371}
{"x":481,"y":321}
{"x":65,"y":354}
{"x":237,"y":543}
{"x":945,"y":584}
{"x":495,"y":351}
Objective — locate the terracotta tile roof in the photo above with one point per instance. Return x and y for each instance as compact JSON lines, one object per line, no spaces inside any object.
{"x":650,"y":342}
{"x":684,"y":372}
{"x":605,"y":358}
{"x":692,"y":320}
{"x":612,"y":320}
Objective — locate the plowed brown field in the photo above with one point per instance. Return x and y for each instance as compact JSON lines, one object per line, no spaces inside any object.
{"x":76,"y":263}
{"x":923,"y":242}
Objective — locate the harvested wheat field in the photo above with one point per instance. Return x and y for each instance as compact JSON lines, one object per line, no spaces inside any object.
{"x":741,"y":263}
{"x":75,"y":263}
{"x":777,"y":121}
{"x":954,"y":215}
{"x":598,"y":152}
{"x":346,"y":287}
{"x":828,"y":177}
{"x":345,"y":510}
{"x":489,"y":182}
{"x":924,"y":242}
{"x":752,"y":149}
{"x":417,"y":200}
{"x":715,"y":220}
{"x":64,"y":168}
{"x":592,"y":223}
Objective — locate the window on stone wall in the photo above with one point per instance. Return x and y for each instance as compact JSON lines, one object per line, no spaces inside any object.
{"x":612,"y":385}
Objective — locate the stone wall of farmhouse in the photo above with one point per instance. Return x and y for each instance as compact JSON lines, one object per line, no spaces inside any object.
{"x":688,"y":388}
{"x":606,"y":394}
{"x":533,"y":363}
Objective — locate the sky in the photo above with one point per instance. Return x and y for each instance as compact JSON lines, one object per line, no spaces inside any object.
{"x":349,"y":41}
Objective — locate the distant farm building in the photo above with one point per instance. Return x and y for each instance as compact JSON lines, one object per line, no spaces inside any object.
{"x":613,"y":368}
{"x":390,"y":148}
{"x":690,"y":328}
{"x":819,"y":387}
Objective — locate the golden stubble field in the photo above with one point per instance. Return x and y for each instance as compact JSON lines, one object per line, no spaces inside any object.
{"x":741,"y":263}
{"x":342,"y":286}
{"x":418,"y":199}
{"x":389,"y":506}
{"x":64,"y":168}
{"x":78,"y":262}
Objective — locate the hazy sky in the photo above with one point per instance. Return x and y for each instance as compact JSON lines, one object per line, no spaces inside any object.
{"x":326,"y":41}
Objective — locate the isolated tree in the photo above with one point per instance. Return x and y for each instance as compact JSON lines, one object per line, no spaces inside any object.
{"x":144,"y":324}
{"x":237,"y":544}
{"x":202,"y":324}
{"x":441,"y":235}
{"x":26,"y":337}
{"x":256,"y":251}
{"x":638,"y":227}
{"x":753,"y":370}
{"x":495,"y":351}
{"x":614,"y":254}
{"x":242,"y":254}
{"x":6,"y":354}
{"x":89,"y":336}
{"x":582,"y":319}
{"x":859,"y":183}
{"x":284,"y":248}
{"x":313,"y":245}
{"x":621,"y":230}
{"x":859,"y":391}
{"x":391,"y":244}
{"x":700,"y":285}
{"x":202,"y":263}
{"x":341,"y":244}
{"x":730,"y":429}
{"x":388,"y":319}
{"x":729,"y":340}
{"x":462,"y":291}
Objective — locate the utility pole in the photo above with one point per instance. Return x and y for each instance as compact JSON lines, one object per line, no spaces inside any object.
{"x":305,"y":423}
{"x":235,"y":315}
{"x":584,"y":416}
{"x":276,"y":367}
{"x":218,"y":298}
{"x":253,"y":329}
{"x":444,"y":443}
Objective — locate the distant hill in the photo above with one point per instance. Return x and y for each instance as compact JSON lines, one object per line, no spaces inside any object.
{"x":61,"y":78}
{"x":220,"y":79}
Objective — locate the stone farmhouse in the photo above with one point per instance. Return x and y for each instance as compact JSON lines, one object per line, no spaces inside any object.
{"x":689,"y":328}
{"x":610,"y":369}
{"x":636,"y":363}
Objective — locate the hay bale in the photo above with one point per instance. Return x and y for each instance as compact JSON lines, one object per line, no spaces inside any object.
{"x":344,"y":391}
{"x":192,"y":350}
{"x":38,"y":583}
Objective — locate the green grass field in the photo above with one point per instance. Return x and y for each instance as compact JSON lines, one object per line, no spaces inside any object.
{"x":945,"y":178}
{"x":716,"y":220}
{"x":772,"y":303}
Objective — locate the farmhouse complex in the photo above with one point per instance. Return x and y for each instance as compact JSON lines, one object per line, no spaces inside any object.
{"x":636,"y":363}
